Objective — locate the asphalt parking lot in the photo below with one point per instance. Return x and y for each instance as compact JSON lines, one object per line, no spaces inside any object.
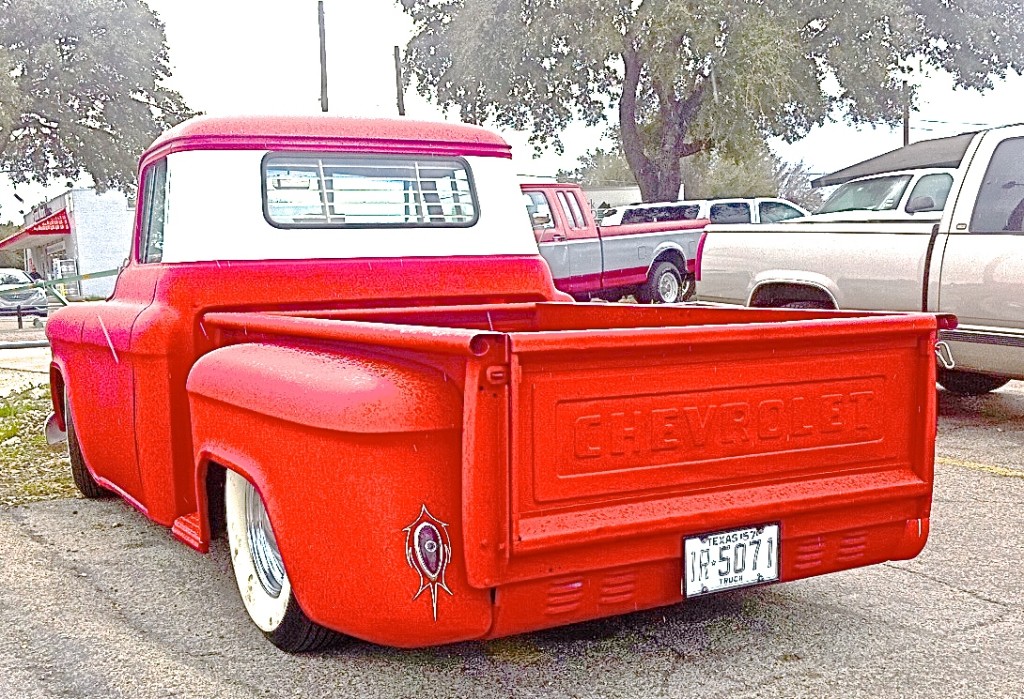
{"x":97,"y":602}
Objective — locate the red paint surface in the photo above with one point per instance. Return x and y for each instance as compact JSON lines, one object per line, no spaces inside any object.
{"x":568,"y":447}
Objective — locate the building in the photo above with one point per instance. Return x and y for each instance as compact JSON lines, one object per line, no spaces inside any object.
{"x":79,"y":232}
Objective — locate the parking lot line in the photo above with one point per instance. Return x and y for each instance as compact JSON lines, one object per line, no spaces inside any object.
{"x":974,"y":466}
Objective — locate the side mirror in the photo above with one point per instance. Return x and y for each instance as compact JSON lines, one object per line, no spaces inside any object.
{"x":541,"y":220}
{"x":920,"y":204}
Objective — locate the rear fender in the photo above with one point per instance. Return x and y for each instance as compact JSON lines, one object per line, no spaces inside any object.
{"x":669,"y":251}
{"x":350,"y":453}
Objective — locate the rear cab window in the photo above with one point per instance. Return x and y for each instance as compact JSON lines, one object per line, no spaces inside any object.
{"x":301,"y":190}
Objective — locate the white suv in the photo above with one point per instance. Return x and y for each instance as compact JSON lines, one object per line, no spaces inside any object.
{"x":748,"y":210}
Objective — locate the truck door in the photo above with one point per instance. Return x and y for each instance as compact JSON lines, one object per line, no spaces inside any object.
{"x":570,"y":244}
{"x":982,"y":274}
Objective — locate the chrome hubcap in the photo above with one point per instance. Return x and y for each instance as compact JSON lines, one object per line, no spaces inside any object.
{"x":266,"y":557}
{"x":668,"y":287}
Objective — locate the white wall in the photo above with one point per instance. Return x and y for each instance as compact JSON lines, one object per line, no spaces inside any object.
{"x":101,"y":231}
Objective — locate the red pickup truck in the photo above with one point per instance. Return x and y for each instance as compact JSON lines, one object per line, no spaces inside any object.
{"x":335,"y":342}
{"x":652,"y":261}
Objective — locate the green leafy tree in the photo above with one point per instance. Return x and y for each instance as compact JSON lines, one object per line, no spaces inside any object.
{"x":687,"y":77}
{"x":81,"y":89}
{"x":756,"y":173}
{"x":8,"y":258}
{"x":600,"y":168}
{"x":759,"y":173}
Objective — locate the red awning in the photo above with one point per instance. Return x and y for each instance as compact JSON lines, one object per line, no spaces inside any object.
{"x":42,"y":232}
{"x":54,"y":223}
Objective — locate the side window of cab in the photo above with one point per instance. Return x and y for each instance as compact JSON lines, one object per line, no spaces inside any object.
{"x":154,"y":212}
{"x":1000,"y":204}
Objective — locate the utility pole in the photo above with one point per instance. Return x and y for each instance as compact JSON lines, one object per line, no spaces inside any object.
{"x":398,"y":83}
{"x":323,"y":57}
{"x":906,"y":115}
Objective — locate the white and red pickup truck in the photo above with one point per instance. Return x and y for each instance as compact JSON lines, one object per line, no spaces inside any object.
{"x":335,"y":342}
{"x":651,"y":261}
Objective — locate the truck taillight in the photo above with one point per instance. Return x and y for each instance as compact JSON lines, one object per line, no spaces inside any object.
{"x":700,"y":252}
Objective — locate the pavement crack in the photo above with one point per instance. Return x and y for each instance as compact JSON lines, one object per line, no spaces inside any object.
{"x":956,"y":588}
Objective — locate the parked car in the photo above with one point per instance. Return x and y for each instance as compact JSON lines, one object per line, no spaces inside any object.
{"x":743,"y":210}
{"x":30,"y":301}
{"x":652,"y":260}
{"x":908,"y":195}
{"x":969,"y":263}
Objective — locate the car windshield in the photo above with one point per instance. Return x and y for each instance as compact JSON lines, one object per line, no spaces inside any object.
{"x":876,"y":194}
{"x":13,"y":276}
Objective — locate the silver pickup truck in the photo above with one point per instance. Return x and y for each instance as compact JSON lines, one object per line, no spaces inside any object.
{"x":970,"y":264}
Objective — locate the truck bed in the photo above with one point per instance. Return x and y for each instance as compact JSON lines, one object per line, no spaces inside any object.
{"x":617,"y":431}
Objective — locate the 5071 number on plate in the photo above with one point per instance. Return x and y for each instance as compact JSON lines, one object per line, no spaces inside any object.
{"x":731,"y":559}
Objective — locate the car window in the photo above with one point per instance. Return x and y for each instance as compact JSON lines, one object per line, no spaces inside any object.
{"x":875,"y":194}
{"x":1000,"y":205}
{"x":664,"y":212}
{"x":540,"y":212}
{"x":570,"y":214}
{"x":577,"y":213}
{"x":934,"y":187}
{"x":773,"y":211}
{"x":730,"y":212}
{"x":332,"y":190}
{"x":14,"y":276}
{"x":154,"y":212}
{"x":638,"y":216}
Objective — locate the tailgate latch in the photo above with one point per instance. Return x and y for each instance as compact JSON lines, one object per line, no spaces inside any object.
{"x":497,"y":375}
{"x":945,"y":355}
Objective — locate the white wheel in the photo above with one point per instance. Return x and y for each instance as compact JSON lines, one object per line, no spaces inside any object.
{"x":260,"y":573}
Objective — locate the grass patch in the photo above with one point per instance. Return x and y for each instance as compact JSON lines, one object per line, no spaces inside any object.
{"x":30,"y":469}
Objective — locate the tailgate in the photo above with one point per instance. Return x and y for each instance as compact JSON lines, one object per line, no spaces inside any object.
{"x":625,"y":433}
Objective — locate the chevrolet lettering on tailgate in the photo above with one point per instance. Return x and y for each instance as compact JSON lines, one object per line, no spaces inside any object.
{"x":661,"y":429}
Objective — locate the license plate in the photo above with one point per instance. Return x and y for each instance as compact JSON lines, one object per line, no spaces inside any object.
{"x":731,"y":559}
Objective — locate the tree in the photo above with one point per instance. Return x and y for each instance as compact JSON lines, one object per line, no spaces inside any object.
{"x":600,"y":168}
{"x":8,"y":258}
{"x":759,"y":173}
{"x":687,"y":77}
{"x":756,"y":173}
{"x":81,"y":89}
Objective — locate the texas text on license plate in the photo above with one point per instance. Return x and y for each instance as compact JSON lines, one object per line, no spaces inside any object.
{"x":726,"y":560}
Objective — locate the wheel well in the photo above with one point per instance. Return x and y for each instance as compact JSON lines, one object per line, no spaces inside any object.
{"x":775,"y":295}
{"x":57,"y":396}
{"x":671,"y":255}
{"x":215,"y":476}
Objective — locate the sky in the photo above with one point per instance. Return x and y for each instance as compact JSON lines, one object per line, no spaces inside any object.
{"x":262,"y":56}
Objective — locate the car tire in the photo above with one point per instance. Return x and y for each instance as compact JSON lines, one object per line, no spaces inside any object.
{"x":966,"y":383}
{"x":805,"y":305}
{"x":664,"y":285}
{"x":84,"y":480}
{"x":259,"y":571}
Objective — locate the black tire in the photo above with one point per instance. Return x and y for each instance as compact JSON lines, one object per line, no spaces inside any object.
{"x":688,"y":287}
{"x":966,"y":383}
{"x":806,"y":305}
{"x":84,"y":481}
{"x":262,"y":581}
{"x":664,"y":285}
